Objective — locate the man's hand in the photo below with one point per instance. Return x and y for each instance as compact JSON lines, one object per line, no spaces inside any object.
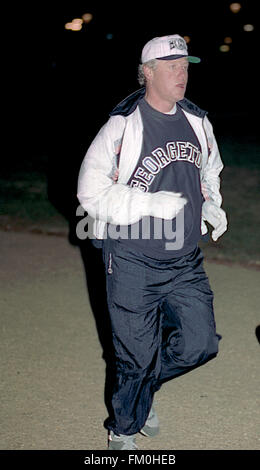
{"x":216,"y":217}
{"x":166,"y":204}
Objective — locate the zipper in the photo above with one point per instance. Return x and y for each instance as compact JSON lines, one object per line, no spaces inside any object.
{"x":206,"y":136}
{"x":110,"y":270}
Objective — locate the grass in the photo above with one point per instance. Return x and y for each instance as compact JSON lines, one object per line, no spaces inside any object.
{"x":25,"y":203}
{"x":240,"y":185}
{"x":240,"y":190}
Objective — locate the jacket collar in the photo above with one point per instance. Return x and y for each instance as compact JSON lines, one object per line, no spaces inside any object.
{"x":129,"y":104}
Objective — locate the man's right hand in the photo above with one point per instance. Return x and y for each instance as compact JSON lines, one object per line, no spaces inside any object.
{"x":166,"y":204}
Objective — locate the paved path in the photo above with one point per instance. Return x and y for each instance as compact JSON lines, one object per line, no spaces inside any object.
{"x":52,"y":370}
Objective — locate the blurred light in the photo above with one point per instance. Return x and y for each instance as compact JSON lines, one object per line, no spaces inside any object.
{"x":235,"y":7}
{"x":73,"y":26}
{"x":248,"y":27}
{"x":228,"y":40}
{"x":77,"y":21}
{"x":187,"y":39}
{"x":109,"y":36}
{"x":224,"y":48}
{"x":87,"y":17}
{"x":76,"y":27}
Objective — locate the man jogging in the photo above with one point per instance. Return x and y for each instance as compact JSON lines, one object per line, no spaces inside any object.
{"x":150,"y":179}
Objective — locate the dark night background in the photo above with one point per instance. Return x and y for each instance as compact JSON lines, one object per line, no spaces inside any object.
{"x":70,"y":80}
{"x":64,"y":83}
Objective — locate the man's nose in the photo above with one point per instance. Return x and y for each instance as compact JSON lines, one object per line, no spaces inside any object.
{"x":182,"y":73}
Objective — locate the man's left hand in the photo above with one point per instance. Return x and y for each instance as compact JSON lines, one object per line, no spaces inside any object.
{"x":216,"y":217}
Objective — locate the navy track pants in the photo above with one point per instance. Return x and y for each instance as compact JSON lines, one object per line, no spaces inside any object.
{"x":162,"y":324}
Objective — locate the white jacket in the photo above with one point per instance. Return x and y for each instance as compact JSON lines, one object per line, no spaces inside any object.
{"x":113,"y":202}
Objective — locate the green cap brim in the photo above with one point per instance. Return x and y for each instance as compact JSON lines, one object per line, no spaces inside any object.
{"x":193,"y":60}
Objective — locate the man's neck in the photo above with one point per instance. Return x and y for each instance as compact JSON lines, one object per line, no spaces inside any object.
{"x":159,"y":104}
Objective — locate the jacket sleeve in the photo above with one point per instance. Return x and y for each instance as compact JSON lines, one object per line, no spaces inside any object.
{"x":98,"y":193}
{"x":210,"y":181}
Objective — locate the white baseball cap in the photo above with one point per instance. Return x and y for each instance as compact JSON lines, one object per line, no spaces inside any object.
{"x":167,"y":48}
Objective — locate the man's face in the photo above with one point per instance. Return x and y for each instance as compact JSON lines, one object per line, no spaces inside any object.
{"x":168,"y":80}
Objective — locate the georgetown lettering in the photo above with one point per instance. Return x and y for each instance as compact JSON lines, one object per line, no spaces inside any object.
{"x":159,"y":159}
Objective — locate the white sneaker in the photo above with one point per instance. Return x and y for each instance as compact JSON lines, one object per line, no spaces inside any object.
{"x":151,"y":427}
{"x":121,"y":442}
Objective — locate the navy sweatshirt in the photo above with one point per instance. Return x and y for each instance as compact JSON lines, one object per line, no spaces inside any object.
{"x":169,"y":161}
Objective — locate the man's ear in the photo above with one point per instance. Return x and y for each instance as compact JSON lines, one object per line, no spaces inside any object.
{"x":148,"y":73}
